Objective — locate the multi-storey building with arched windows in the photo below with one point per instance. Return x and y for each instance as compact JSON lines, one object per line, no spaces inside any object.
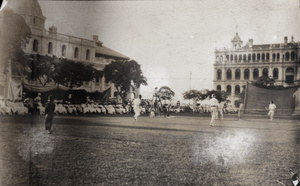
{"x":50,"y":42}
{"x":234,"y":67}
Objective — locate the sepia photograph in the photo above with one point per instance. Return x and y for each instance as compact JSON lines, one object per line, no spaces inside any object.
{"x":148,"y":92}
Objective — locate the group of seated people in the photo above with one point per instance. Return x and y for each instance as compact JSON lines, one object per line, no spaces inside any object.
{"x":21,"y":107}
{"x":90,"y":107}
{"x":8,"y":107}
{"x":35,"y":106}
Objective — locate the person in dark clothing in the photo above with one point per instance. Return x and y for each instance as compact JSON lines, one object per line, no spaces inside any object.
{"x":295,"y":179}
{"x":49,"y":113}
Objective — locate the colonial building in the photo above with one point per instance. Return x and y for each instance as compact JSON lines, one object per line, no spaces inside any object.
{"x":235,"y":66}
{"x":51,"y":42}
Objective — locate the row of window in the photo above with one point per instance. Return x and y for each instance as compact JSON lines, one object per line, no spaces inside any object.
{"x":237,"y":75}
{"x":237,"y":89}
{"x":257,"y":57}
{"x":63,"y":51}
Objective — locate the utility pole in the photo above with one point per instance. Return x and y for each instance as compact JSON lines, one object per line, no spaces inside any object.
{"x":190,"y":86}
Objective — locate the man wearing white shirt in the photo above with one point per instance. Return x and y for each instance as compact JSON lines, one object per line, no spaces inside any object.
{"x":213,"y":102}
{"x":272,"y":108}
{"x":136,"y":107}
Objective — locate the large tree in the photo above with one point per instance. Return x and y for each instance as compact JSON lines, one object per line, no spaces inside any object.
{"x":192,"y":95}
{"x":72,"y":74}
{"x":14,"y":34}
{"x":123,"y":73}
{"x":220,"y":95}
{"x":165,"y":92}
{"x":40,"y":68}
{"x":264,"y":81}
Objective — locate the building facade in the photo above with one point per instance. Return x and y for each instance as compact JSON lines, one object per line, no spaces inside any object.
{"x":50,"y":42}
{"x":235,"y":66}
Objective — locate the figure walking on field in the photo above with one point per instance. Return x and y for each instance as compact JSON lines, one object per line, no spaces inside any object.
{"x":49,"y":113}
{"x":213,"y":109}
{"x":220,"y":109}
{"x":136,"y":107}
{"x":272,"y":108}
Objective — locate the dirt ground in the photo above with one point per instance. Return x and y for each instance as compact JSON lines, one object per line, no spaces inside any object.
{"x":179,"y":150}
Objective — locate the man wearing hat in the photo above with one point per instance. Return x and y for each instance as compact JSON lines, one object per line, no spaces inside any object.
{"x":213,"y":109}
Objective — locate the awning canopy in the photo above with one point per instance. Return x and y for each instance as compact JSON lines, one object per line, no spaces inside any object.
{"x":39,"y":88}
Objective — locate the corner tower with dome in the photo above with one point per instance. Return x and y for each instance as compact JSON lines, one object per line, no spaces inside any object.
{"x":51,"y":42}
{"x":235,"y":66}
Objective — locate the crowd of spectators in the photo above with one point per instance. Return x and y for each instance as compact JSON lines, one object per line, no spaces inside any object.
{"x":35,"y":106}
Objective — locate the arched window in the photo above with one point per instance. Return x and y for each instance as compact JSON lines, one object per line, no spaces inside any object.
{"x":263,"y":56}
{"x":76,"y":52}
{"x":265,"y":72}
{"x":50,"y":48}
{"x":253,"y":57}
{"x":237,"y":74}
{"x":273,"y":57}
{"x":255,"y":73}
{"x":249,"y":57}
{"x":275,"y":73}
{"x":246,"y":74}
{"x":217,"y":59}
{"x":227,"y":57}
{"x":228,"y":89}
{"x":235,"y":57}
{"x":293,"y":56}
{"x":289,"y":70}
{"x":240,"y":57}
{"x":228,"y":74}
{"x":268,"y":56}
{"x":219,"y":74}
{"x":245,"y":57}
{"x":231,"y":57}
{"x":63,"y":50}
{"x":237,"y":89}
{"x":278,"y":56}
{"x":287,"y":56}
{"x":218,"y":87}
{"x":289,"y":75}
{"x":87,"y":54}
{"x":35,"y":46}
{"x":258,"y":57}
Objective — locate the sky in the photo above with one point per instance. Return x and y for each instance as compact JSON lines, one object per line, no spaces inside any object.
{"x":174,"y":40}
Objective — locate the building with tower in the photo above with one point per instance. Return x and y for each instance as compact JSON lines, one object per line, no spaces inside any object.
{"x":235,"y":66}
{"x":51,"y":42}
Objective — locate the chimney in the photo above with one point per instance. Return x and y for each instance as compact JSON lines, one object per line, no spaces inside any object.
{"x":285,"y":40}
{"x":95,"y":38}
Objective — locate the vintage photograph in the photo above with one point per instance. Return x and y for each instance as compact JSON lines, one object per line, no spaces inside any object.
{"x":147,"y":92}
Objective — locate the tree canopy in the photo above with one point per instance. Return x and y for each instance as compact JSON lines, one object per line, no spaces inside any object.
{"x":165,"y":92}
{"x":46,"y":69}
{"x":72,"y":74}
{"x":202,"y":94}
{"x":220,"y":95}
{"x":123,"y":73}
{"x":40,"y":68}
{"x":192,"y":94}
{"x":14,"y":34}
{"x":264,"y":81}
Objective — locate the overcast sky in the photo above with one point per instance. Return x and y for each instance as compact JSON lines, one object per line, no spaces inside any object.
{"x":175,"y":40}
